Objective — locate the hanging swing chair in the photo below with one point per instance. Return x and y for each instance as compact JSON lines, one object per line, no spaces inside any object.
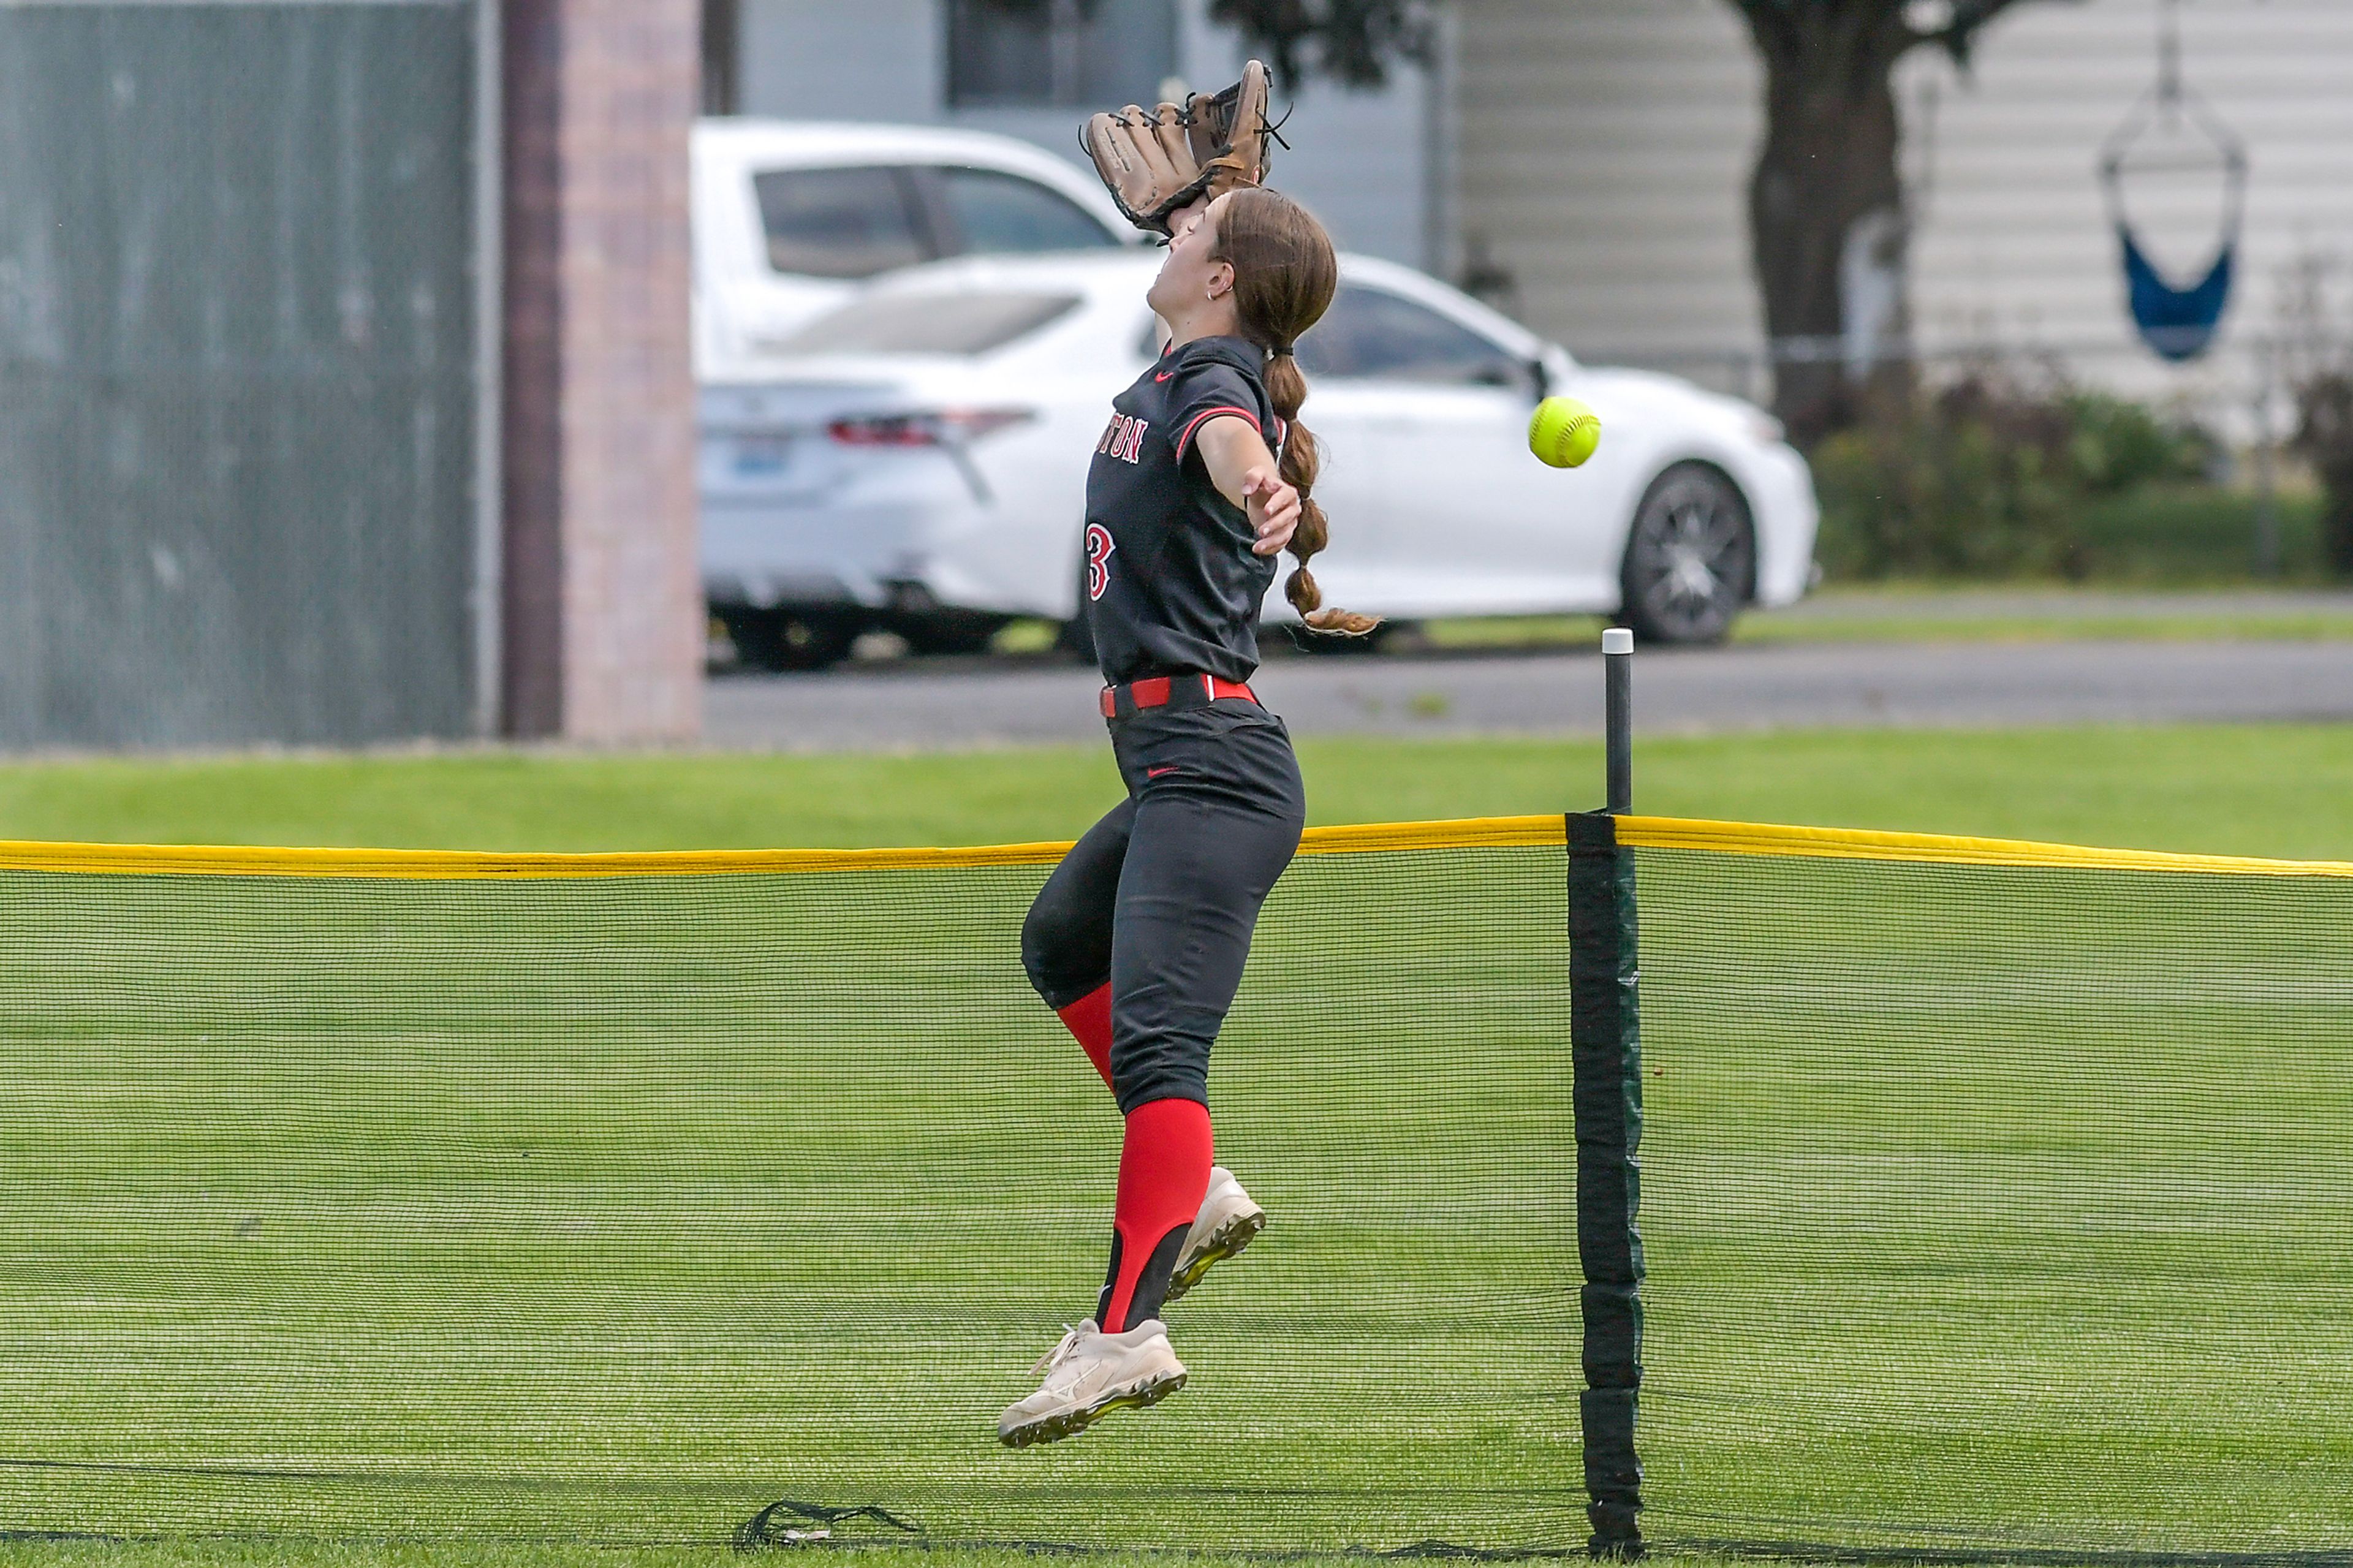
{"x":2178,"y":323}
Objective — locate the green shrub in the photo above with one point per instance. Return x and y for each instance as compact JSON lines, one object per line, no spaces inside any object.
{"x":2195,"y":533}
{"x":2120,"y":445}
{"x":1988,"y":477}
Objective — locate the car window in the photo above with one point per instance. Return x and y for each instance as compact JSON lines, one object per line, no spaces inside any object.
{"x":950,"y":323}
{"x":994,"y":213}
{"x":1372,"y":333}
{"x":838,"y":222}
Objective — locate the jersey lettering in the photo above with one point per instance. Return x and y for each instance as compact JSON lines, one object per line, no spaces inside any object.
{"x":1099,"y":548}
{"x":1182,"y":588}
{"x":1124,"y":438}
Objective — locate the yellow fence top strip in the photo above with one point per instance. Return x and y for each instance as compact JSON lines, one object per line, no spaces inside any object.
{"x":1470,"y":833}
{"x":1857,"y":843}
{"x":1493,"y":831}
{"x":466,"y":865}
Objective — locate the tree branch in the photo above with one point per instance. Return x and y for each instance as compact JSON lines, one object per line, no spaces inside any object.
{"x":1351,"y":41}
{"x":1959,"y":36}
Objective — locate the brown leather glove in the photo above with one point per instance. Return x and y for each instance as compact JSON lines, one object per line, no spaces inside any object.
{"x":1159,"y":160}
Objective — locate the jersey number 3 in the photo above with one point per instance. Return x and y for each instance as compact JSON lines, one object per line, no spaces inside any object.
{"x":1099,"y":548}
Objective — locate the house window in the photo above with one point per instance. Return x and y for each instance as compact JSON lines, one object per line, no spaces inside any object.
{"x":1066,"y":52}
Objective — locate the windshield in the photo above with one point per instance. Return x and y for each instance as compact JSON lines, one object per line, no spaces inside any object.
{"x":958,"y":324}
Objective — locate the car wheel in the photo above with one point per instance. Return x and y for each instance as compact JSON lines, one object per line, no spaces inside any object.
{"x":1690,"y":558}
{"x":949,"y":632}
{"x":789,"y":639}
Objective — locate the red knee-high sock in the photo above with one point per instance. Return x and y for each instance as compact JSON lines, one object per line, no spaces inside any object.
{"x":1164,"y":1174}
{"x":1089,"y":1021}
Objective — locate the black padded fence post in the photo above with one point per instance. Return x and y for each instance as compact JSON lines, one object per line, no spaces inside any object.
{"x":1605,"y":1040}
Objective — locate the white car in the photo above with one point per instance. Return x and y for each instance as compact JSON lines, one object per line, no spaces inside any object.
{"x":921,"y":463}
{"x":791,"y":218}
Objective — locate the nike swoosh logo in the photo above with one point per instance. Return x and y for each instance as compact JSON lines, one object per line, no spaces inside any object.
{"x":1162,"y":376}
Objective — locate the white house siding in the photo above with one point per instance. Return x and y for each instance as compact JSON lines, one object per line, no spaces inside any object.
{"x":1604,"y":150}
{"x":1363,"y":160}
{"x":1606,"y":143}
{"x":2016,"y":247}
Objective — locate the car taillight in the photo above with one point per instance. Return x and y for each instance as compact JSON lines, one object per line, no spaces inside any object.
{"x":885,"y":430}
{"x":935,"y":429}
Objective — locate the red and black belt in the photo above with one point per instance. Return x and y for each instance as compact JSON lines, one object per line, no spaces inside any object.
{"x":1167,"y":690}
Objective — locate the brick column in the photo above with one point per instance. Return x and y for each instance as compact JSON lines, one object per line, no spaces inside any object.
{"x":603,"y":597}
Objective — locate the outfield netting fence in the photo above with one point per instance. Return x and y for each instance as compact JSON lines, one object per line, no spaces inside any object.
{"x":1996,"y":1199}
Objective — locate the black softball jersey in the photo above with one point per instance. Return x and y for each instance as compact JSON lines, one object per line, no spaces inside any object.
{"x":1172,"y":585}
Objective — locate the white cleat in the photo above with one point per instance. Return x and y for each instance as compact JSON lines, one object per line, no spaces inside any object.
{"x":1090,"y":1375}
{"x":1228,"y":1220}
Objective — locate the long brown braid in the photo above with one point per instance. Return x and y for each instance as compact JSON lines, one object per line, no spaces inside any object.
{"x":1284,"y":276}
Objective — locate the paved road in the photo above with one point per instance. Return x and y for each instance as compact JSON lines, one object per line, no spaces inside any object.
{"x":911,"y":706}
{"x":2056,"y":603}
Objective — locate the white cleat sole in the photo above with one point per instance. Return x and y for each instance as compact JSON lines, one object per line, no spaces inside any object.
{"x":1236,"y":1233}
{"x":1065,"y":1423}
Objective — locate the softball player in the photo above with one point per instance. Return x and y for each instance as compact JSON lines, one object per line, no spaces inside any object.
{"x":1139,"y":937}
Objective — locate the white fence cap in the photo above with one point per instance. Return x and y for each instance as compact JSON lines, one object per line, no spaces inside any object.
{"x":1616,"y":640}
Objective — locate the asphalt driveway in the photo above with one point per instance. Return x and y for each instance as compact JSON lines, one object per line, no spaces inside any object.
{"x":923,"y":705}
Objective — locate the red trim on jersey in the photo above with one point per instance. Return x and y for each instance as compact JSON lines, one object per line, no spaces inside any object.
{"x":1212,"y":414}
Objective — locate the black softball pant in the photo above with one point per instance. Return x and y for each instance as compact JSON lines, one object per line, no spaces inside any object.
{"x":1161,"y":897}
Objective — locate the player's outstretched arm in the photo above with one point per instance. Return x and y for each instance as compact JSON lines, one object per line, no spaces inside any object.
{"x":1244,"y":471}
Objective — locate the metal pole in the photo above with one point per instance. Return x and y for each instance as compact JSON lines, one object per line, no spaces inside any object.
{"x":2267,"y":519}
{"x":1618,"y":724}
{"x":488,"y":610}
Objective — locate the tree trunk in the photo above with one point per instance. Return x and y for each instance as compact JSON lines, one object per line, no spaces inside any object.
{"x":1826,"y":204}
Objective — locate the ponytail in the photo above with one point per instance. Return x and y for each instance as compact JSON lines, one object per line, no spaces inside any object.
{"x":1286,"y":388}
{"x":1285,"y":274}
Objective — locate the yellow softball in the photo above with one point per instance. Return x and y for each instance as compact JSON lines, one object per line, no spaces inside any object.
{"x":1564,"y":432}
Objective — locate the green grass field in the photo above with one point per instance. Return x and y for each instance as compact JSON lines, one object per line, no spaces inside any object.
{"x":2004,"y":1207}
{"x":618,"y":1209}
{"x":2271,"y":789}
{"x":2002,"y":1211}
{"x":285,"y":1553}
